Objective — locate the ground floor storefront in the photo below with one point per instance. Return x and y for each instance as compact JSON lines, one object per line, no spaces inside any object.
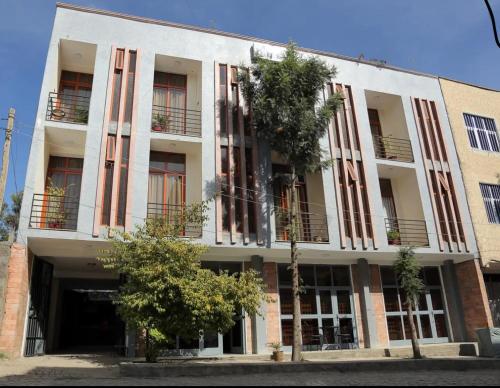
{"x":345,"y":304}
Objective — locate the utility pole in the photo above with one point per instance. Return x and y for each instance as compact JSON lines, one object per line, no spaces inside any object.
{"x":5,"y":154}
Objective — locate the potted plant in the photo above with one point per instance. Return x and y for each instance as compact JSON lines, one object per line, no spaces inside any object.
{"x":278,"y":354}
{"x":159,"y":122}
{"x":81,"y":116}
{"x":55,"y":215}
{"x":393,"y":236}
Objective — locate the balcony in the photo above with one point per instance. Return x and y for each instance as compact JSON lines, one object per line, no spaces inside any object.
{"x":176,"y":121}
{"x":406,"y":232}
{"x":391,"y":148}
{"x":311,"y":227}
{"x":69,"y":108}
{"x":54,"y":212}
{"x":173,"y":214}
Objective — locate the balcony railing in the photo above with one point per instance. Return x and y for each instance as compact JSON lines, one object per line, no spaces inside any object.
{"x":177,"y":121}
{"x":54,"y":212}
{"x":406,"y":232}
{"x":310,"y":228}
{"x":393,"y":149}
{"x":68,"y":108}
{"x":173,"y":214}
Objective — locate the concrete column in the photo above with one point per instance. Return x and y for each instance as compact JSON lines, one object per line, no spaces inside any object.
{"x":454,"y":303}
{"x":259,"y":321}
{"x":367,"y":308}
{"x":130,"y":339}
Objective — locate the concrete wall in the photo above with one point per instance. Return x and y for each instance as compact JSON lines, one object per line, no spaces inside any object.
{"x":477,"y":166}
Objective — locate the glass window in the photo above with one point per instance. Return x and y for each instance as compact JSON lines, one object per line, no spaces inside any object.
{"x":286,"y":301}
{"x":395,"y":328}
{"x":482,"y":132}
{"x":391,"y":299}
{"x":323,"y":276}
{"x":491,"y":198}
{"x":325,"y":297}
{"x":307,"y":275}
{"x":341,"y":276}
{"x":285,"y":275}
{"x":344,"y":302}
{"x":308,"y":302}
{"x":287,"y":332}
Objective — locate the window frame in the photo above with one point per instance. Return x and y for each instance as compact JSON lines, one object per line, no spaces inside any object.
{"x":492,"y":203}
{"x":477,"y":135}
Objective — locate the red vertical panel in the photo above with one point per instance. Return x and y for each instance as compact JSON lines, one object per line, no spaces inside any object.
{"x":218,"y":162}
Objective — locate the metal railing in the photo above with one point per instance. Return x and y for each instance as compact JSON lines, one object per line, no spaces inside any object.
{"x":177,"y":121}
{"x":406,"y":232}
{"x":311,"y":227}
{"x":68,"y":108}
{"x":392,"y":148}
{"x":173,"y":214}
{"x":54,"y":212}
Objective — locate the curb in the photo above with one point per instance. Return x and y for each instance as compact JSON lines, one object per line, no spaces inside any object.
{"x":129,"y":369}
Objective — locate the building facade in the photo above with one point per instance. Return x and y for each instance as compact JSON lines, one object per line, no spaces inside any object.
{"x":129,"y":127}
{"x":474,"y":114}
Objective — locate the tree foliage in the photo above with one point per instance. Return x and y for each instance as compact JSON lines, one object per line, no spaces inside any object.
{"x":290,"y":114}
{"x":9,"y":216}
{"x":288,"y":110}
{"x":167,"y":292}
{"x":408,"y":270}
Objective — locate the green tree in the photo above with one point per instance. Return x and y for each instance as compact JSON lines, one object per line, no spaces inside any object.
{"x":9,"y":216}
{"x":166,"y":292}
{"x":289,"y":113}
{"x":407,"y":270}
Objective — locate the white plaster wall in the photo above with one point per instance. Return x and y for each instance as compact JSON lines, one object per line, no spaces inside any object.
{"x":209,"y":49}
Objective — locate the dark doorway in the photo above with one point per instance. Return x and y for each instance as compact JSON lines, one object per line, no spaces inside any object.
{"x":89,"y":321}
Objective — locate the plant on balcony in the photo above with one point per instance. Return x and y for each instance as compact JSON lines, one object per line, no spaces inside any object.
{"x":407,"y":270}
{"x":290,"y":115}
{"x":55,"y":215}
{"x":167,"y":293}
{"x":160,"y":122}
{"x":394,"y":237}
{"x":81,"y":116}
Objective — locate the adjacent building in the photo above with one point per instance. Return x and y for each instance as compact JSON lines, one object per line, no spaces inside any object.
{"x":474,"y":113}
{"x":138,"y":118}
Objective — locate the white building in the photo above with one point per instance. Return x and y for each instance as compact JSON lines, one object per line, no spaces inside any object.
{"x":135,"y":119}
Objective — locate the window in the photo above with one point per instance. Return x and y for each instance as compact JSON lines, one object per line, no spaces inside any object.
{"x":326,"y":305}
{"x":491,"y":197}
{"x":429,"y":316}
{"x":482,"y":132}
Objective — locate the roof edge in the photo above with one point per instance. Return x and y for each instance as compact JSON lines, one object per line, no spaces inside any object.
{"x":470,"y":84}
{"x":236,"y":36}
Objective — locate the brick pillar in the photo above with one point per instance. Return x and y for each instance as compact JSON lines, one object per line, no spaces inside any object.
{"x":270,"y":276}
{"x":476,"y":309}
{"x":378,"y":306}
{"x":356,"y":290}
{"x":16,"y":300}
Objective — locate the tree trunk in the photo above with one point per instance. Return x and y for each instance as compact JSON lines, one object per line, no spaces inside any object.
{"x":297,"y":324}
{"x":414,"y":338}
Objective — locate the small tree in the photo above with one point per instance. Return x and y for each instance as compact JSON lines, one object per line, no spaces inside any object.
{"x":407,"y":270}
{"x":9,"y":216}
{"x":166,"y":292}
{"x":289,"y":114}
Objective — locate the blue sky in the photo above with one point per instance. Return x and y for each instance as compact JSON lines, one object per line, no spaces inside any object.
{"x":451,"y":38}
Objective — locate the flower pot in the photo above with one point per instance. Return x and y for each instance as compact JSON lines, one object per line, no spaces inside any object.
{"x":157,"y":128}
{"x":278,"y":356}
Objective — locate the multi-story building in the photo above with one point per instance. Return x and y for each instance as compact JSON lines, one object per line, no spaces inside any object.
{"x":474,"y":114}
{"x":139,"y":117}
